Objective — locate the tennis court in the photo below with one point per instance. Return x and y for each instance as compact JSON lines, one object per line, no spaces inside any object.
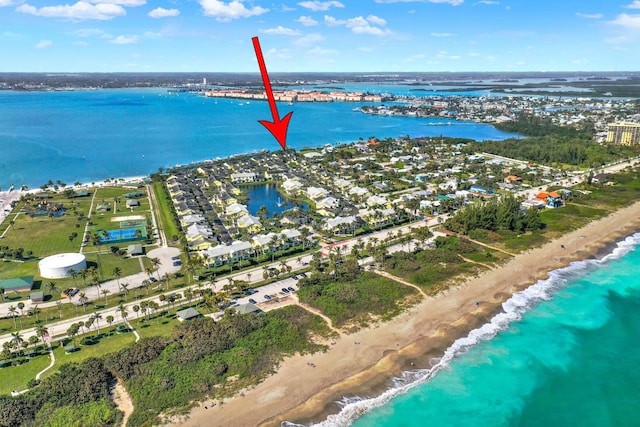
{"x":123,"y":235}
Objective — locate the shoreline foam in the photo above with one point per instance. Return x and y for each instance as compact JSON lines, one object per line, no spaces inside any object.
{"x":298,"y":393}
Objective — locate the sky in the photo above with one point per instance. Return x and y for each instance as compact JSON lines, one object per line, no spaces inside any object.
{"x":317,"y":35}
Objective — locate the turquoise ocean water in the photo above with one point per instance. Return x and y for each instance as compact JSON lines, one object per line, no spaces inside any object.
{"x":93,"y":135}
{"x":565,"y":352}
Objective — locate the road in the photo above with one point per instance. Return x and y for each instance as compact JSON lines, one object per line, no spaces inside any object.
{"x":255,"y":275}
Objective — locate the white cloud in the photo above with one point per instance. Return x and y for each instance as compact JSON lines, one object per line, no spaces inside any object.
{"x":132,"y":39}
{"x":376,"y":20}
{"x":627,"y":21}
{"x":451,"y":2}
{"x":92,"y":32}
{"x":580,"y":61}
{"x":590,"y":15}
{"x":635,"y":4}
{"x":318,"y":6}
{"x":487,"y":3}
{"x":43,"y":44}
{"x":416,"y":57}
{"x":282,"y":31}
{"x":278,"y":53}
{"x":78,"y":11}
{"x":441,"y":34}
{"x":474,"y":54}
{"x":307,"y":21}
{"x":365,"y":49}
{"x":4,"y":3}
{"x":225,"y":12}
{"x":10,"y":35}
{"x":163,"y":13}
{"x":360,"y":25}
{"x":318,"y":51}
{"x":443,"y":54}
{"x":309,"y":40}
{"x":128,"y":3}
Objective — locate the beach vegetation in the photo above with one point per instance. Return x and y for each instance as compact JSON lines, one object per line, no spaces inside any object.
{"x":70,"y":389}
{"x":203,"y":358}
{"x":433,"y":269}
{"x":350,"y":297}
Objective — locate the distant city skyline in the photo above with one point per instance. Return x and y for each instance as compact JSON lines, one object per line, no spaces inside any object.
{"x":327,"y":36}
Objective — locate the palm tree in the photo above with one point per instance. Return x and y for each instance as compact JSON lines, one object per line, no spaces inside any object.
{"x":273,"y":242}
{"x":83,"y":300}
{"x":117,"y":272}
{"x":156,"y":263}
{"x":96,"y":317}
{"x":21,"y":307}
{"x":145,"y":284}
{"x":105,"y":292}
{"x":265,"y":272}
{"x":125,"y":290}
{"x":109,"y":320}
{"x":13,"y":312}
{"x":16,"y":338}
{"x":42,"y":331}
{"x":144,"y":307}
{"x":35,"y":311}
{"x":123,"y":312}
{"x":304,"y":235}
{"x":59,"y":305}
{"x":84,"y":273}
{"x":73,"y":331}
{"x":52,"y":287}
{"x":97,"y":284}
{"x":2,"y":293}
{"x":136,"y":309}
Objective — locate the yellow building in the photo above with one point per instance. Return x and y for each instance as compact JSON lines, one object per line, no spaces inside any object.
{"x":624,"y":133}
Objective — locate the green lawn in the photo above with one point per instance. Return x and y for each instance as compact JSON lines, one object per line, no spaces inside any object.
{"x":569,"y":217}
{"x":107,"y":344}
{"x":165,"y":215}
{"x":17,"y":377}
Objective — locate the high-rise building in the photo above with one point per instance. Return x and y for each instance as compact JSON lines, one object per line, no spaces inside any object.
{"x":624,"y":133}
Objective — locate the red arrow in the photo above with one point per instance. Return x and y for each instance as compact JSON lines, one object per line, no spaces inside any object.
{"x":278,"y":128}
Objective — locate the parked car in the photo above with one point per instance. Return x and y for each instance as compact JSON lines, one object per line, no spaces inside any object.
{"x":285,"y":290}
{"x":252,"y":301}
{"x":267,"y":297}
{"x":291,"y":289}
{"x":303,"y":274}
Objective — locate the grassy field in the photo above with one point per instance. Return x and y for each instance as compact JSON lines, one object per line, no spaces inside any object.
{"x":17,"y":377}
{"x":164,"y":214}
{"x":432,"y":269}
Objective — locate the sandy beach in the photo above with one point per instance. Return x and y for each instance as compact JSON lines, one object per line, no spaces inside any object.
{"x":361,"y":364}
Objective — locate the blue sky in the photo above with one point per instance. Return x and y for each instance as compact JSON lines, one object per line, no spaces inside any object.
{"x":318,"y":35}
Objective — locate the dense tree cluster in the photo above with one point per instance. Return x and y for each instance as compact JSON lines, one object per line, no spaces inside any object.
{"x":76,"y":388}
{"x":350,"y":297}
{"x":493,"y":215}
{"x":548,"y":144}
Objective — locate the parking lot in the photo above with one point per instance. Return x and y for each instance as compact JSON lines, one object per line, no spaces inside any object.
{"x":273,"y":290}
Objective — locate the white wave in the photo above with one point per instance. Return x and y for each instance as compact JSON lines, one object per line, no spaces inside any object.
{"x":354,"y":407}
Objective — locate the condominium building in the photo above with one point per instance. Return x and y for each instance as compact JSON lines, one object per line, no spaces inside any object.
{"x":624,"y":133}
